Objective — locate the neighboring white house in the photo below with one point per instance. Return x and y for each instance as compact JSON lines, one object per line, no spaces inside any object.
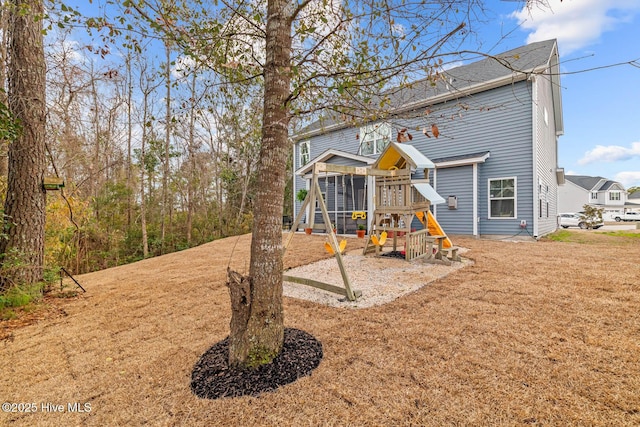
{"x":580,"y":190}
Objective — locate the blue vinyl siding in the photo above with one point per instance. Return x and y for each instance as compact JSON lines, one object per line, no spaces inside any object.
{"x":457,"y":182}
{"x":344,"y":140}
{"x":499,"y":121}
{"x":546,"y":184}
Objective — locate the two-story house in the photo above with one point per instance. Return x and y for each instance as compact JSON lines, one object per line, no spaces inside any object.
{"x":580,"y":190}
{"x":491,"y":128}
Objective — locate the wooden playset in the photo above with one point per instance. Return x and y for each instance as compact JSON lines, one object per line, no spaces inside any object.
{"x":398,"y":200}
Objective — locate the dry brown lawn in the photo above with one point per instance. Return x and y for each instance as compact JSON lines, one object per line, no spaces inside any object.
{"x":540,"y":333}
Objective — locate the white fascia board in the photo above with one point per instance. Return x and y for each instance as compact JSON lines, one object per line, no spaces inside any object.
{"x":463,"y":162}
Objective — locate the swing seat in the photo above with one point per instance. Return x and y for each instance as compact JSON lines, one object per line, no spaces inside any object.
{"x":359,"y":215}
{"x":381,"y":241}
{"x":328,"y":248}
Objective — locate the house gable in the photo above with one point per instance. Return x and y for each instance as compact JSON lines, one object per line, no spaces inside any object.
{"x":482,"y":138}
{"x":489,"y":73}
{"x":588,"y":183}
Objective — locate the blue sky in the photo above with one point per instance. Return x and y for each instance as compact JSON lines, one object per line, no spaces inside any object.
{"x":601,"y":107}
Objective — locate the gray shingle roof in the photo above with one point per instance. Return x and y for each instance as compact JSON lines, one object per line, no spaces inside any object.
{"x":533,"y":57}
{"x":590,"y":182}
{"x":522,"y":59}
{"x":607,"y":185}
{"x":586,"y":182}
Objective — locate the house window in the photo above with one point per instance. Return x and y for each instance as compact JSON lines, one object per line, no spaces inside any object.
{"x":502,"y":198}
{"x":305,"y":149}
{"x":374,"y":138}
{"x":594,"y":196}
{"x":614,"y":195}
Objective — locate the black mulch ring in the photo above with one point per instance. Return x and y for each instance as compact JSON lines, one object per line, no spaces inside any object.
{"x":393,"y":254}
{"x":212,"y":378}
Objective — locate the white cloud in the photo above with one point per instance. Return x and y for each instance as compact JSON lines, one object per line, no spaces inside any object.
{"x":628,"y":179}
{"x":576,"y":23}
{"x":449,"y":65}
{"x":183,"y":66}
{"x":610,"y":153}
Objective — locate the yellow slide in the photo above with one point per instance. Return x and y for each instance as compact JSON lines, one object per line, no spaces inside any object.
{"x":434,"y":228}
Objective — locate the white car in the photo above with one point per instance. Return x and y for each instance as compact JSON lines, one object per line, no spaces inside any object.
{"x":629,"y":216}
{"x":578,"y":219}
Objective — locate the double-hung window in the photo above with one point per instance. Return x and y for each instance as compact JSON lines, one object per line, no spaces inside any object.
{"x":305,"y":148}
{"x":502,"y":198}
{"x":614,"y":195}
{"x":374,"y":138}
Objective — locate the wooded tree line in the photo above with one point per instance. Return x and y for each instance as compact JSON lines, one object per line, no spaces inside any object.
{"x":159,"y":148}
{"x":157,"y":154}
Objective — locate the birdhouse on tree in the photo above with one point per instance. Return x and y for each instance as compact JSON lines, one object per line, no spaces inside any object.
{"x":52,"y":183}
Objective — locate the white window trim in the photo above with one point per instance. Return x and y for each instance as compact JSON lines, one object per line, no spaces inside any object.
{"x":367,"y":129}
{"x":619,"y":193}
{"x":515,"y":198}
{"x":308,"y":145}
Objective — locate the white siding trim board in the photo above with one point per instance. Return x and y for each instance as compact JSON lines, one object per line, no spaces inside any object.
{"x":534,"y":148}
{"x":476,"y":217}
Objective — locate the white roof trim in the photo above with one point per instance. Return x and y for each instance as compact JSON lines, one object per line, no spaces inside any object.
{"x":463,"y":162}
{"x":333,"y":153}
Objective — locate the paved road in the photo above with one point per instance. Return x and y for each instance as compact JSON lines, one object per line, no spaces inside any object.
{"x":620,"y":226}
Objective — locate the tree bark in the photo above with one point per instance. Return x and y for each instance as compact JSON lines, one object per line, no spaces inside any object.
{"x":4,"y":36}
{"x":256,"y":338}
{"x":25,"y":203}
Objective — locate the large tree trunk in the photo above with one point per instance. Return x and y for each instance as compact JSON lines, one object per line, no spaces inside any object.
{"x":4,"y":36}
{"x":257,"y":320}
{"x":25,"y":203}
